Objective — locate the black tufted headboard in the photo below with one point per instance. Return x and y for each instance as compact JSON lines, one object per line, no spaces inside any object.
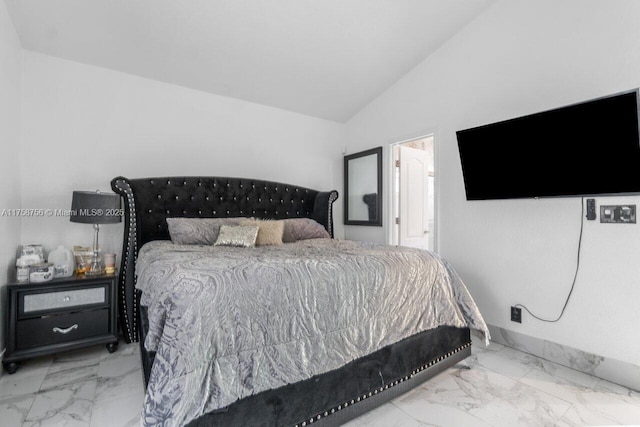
{"x":148,"y":202}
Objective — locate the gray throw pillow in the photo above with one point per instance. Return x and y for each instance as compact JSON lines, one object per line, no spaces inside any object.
{"x":302,"y":229}
{"x":198,"y":231}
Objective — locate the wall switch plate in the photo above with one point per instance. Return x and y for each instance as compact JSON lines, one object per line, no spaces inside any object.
{"x":618,"y":214}
{"x":591,"y":209}
{"x":516,"y":314}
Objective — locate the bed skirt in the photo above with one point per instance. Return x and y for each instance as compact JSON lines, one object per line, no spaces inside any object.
{"x":338,"y":396}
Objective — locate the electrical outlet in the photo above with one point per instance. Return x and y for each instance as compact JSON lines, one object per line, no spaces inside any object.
{"x":516,"y":314}
{"x":621,"y":214}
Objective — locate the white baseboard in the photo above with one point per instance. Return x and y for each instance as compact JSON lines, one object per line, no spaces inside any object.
{"x":615,"y":371}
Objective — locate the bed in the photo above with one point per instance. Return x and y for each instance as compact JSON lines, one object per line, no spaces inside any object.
{"x":322,"y":370}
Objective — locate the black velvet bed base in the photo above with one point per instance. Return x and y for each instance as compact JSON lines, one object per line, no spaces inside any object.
{"x":322,"y":398}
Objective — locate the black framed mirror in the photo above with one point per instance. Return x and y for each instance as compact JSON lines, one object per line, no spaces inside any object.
{"x":363,"y":188}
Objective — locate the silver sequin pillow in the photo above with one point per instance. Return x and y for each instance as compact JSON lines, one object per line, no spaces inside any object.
{"x":198,"y":231}
{"x":243,"y":236}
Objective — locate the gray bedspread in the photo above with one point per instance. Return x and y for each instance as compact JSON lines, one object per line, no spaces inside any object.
{"x":230,"y":322}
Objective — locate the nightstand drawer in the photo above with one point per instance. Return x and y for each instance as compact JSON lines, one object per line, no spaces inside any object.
{"x":62,"y":328}
{"x":78,"y":297}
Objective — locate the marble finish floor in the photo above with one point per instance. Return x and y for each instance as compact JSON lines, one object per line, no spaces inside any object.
{"x":496,"y":386}
{"x":88,"y":387}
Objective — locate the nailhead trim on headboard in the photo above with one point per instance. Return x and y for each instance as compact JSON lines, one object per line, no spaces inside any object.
{"x":128,"y":318}
{"x":149,"y":201}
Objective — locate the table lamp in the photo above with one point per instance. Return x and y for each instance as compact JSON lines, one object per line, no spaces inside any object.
{"x":94,"y":207}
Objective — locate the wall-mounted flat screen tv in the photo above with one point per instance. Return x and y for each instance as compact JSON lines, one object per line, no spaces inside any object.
{"x":586,"y":149}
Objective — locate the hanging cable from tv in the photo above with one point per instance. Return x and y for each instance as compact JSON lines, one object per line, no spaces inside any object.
{"x":575,"y":276}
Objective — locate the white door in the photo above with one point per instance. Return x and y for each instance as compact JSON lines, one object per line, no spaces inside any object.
{"x":414,"y":194}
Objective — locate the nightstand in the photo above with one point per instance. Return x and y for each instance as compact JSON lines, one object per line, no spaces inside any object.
{"x":59,"y":315}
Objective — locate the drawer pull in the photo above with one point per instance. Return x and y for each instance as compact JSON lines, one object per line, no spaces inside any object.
{"x":65,"y":330}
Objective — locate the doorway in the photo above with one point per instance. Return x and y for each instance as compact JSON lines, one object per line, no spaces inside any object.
{"x":413,"y":193}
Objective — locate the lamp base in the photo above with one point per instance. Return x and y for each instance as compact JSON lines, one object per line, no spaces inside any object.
{"x":96,"y":268}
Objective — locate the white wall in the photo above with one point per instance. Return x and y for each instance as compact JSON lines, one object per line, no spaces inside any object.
{"x":10,"y":116}
{"x":84,"y":125}
{"x":518,"y":58}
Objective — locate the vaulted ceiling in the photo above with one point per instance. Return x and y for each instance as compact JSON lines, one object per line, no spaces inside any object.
{"x":323,"y":58}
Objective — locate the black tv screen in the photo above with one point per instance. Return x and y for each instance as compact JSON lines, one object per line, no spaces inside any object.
{"x":586,"y":149}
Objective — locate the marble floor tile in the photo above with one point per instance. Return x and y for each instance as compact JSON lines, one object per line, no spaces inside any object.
{"x":69,"y":405}
{"x":524,"y":406}
{"x":122,"y":411}
{"x":608,"y":368}
{"x":608,"y":405}
{"x":26,"y":380}
{"x":591,"y":404}
{"x":630,"y":396}
{"x":502,"y":362}
{"x":386,"y":416}
{"x":88,"y":355}
{"x":445,"y":403}
{"x":563,"y":387}
{"x":479,"y":345}
{"x":491,"y":397}
{"x":69,"y":372}
{"x":14,"y":410}
{"x":128,"y":384}
{"x":120,"y":389}
{"x":120,"y":362}
{"x":497,"y":386}
{"x":120,"y":375}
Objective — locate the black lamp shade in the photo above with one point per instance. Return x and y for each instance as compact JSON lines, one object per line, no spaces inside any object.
{"x":92,"y":207}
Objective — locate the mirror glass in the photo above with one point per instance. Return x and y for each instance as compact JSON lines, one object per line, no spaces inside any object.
{"x":363,"y":188}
